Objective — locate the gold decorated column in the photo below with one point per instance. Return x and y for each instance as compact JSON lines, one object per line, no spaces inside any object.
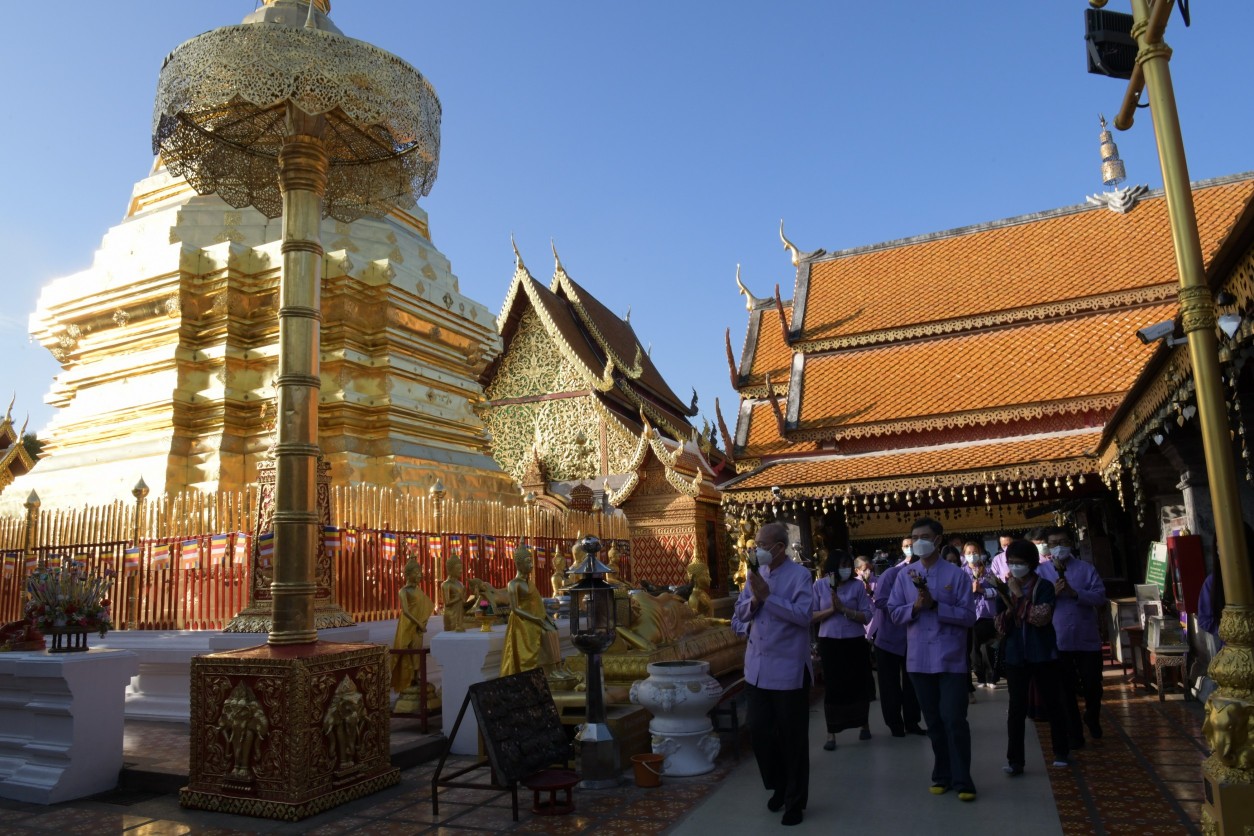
{"x":1228,"y":774}
{"x":303,"y":182}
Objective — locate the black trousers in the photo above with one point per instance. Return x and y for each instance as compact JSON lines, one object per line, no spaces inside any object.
{"x":779,"y":726}
{"x":897,"y":699}
{"x":1044,"y":675}
{"x":1081,"y":675}
{"x":984,"y":652}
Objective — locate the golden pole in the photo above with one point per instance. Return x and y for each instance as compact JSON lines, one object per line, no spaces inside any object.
{"x":1228,"y":783}
{"x":303,"y":166}
{"x":32,"y":521}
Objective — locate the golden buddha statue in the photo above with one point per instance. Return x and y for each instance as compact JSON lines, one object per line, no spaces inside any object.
{"x":558,"y":579}
{"x":531,"y":639}
{"x":416,"y":610}
{"x":699,"y":599}
{"x":453,"y":595}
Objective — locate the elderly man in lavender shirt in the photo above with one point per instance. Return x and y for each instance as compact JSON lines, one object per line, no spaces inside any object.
{"x":774,"y":610}
{"x":932,"y":600}
{"x":1080,"y":592}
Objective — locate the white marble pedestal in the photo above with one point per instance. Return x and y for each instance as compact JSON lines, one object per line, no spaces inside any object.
{"x":61,"y":723}
{"x":467,"y":658}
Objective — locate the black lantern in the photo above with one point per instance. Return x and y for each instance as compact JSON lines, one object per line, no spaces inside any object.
{"x":592,"y":622}
{"x":592,"y":616}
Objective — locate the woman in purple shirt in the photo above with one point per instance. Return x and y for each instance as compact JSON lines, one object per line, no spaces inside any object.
{"x":842,"y":610}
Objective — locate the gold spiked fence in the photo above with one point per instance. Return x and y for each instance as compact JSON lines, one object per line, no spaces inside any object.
{"x":181,"y":561}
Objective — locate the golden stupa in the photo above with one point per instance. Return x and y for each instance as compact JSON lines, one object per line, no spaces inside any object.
{"x":168,"y":345}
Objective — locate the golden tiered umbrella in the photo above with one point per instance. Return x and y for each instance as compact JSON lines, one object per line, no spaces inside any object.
{"x":286,"y":114}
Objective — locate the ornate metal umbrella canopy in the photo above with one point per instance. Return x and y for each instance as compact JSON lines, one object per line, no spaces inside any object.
{"x":286,"y":114}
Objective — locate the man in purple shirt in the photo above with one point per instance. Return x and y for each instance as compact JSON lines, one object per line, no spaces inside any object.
{"x":773,"y":610}
{"x":898,"y":703}
{"x":999,"y":566}
{"x":1080,"y":592}
{"x":932,"y":600}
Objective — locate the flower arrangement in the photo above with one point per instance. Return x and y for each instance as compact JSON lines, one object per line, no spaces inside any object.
{"x":69,"y":596}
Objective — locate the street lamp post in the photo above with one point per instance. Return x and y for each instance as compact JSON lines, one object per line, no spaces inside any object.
{"x":592,"y":623}
{"x":1227,"y":777}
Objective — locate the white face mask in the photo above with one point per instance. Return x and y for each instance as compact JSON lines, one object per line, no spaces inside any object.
{"x":1061,"y":552}
{"x":1019,"y":570}
{"x":764,"y":557}
{"x":1042,"y":549}
{"x":924,"y":548}
{"x":908,"y":551}
{"x":844,"y":573}
{"x":972,"y":559}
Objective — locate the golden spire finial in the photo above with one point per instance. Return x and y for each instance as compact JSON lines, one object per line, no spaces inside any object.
{"x":323,"y":6}
{"x":557,"y":261}
{"x":1113,"y":172}
{"x":789,"y":245}
{"x":518,"y":262}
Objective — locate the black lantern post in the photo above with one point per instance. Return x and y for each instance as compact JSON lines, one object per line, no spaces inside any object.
{"x":592,"y":623}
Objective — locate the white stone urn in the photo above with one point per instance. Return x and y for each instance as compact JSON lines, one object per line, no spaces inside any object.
{"x":680,"y":695}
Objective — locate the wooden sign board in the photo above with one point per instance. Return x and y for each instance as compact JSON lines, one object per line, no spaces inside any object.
{"x":522,"y":731}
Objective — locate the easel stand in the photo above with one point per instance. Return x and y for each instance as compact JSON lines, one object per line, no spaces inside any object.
{"x":522,"y":735}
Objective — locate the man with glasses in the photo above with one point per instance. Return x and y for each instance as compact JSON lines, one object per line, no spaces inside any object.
{"x":773,"y":611}
{"x":932,"y":599}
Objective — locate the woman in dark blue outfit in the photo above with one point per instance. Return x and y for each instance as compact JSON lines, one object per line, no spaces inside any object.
{"x":1025,"y":610}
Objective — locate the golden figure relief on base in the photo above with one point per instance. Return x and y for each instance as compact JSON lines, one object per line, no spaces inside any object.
{"x":342,"y":724}
{"x":244,"y":725}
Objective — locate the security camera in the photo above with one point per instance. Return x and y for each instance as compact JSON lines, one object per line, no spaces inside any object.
{"x":1157,"y":331}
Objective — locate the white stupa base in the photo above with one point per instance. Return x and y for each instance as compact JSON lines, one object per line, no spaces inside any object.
{"x":61,"y":717}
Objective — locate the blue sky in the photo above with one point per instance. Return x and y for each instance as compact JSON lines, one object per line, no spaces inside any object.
{"x":658,"y":143}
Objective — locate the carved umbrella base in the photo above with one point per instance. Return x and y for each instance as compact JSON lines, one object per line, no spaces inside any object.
{"x":288,"y":731}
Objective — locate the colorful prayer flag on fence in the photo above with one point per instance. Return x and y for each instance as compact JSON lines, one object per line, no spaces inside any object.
{"x":159,"y":557}
{"x":455,"y":546}
{"x":387,"y":545}
{"x":413,"y":548}
{"x":239,"y":556}
{"x":190,"y":558}
{"x":331,"y":539}
{"x":265,"y":550}
{"x":435,"y":547}
{"x":52,"y":561}
{"x":32,"y":563}
{"x":541,"y":554}
{"x":130,"y":559}
{"x":10,"y":563}
{"x":349,"y":539}
{"x":472,"y":544}
{"x":489,"y":547}
{"x":217,"y":549}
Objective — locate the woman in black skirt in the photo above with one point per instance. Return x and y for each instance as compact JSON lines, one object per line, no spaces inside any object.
{"x":842,"y":610}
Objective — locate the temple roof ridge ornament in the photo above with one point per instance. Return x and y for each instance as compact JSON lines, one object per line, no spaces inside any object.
{"x":796,"y":255}
{"x":751,"y":301}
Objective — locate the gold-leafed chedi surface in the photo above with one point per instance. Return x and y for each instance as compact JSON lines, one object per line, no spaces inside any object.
{"x":285,"y":732}
{"x":168,"y":346}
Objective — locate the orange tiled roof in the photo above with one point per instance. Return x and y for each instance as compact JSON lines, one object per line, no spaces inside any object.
{"x":1010,"y":265}
{"x":996,"y":369}
{"x":768,"y":354}
{"x":763,"y":439}
{"x":921,"y":465}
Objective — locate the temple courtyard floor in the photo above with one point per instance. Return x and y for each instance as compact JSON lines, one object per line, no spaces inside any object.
{"x":1143,"y":777}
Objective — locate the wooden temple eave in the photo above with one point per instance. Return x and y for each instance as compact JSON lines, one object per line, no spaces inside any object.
{"x":991,"y":468}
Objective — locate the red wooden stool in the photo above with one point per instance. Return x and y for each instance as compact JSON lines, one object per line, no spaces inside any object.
{"x":551,"y":780}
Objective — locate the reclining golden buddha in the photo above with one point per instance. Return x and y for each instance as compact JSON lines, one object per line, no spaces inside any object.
{"x":662,"y":628}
